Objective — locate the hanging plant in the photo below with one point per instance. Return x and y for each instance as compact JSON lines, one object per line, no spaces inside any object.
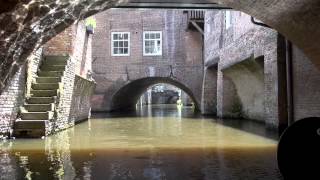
{"x":90,"y":25}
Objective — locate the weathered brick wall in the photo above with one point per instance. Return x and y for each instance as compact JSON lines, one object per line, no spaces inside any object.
{"x":13,"y":96}
{"x":248,"y":80}
{"x":33,"y":63}
{"x":87,"y":66}
{"x":81,"y":96}
{"x":64,"y":105}
{"x":10,"y":101}
{"x":242,"y":41}
{"x":229,"y":104}
{"x":209,"y":91}
{"x":182,"y":50}
{"x":61,"y":44}
{"x":306,"y":86}
{"x":81,"y":52}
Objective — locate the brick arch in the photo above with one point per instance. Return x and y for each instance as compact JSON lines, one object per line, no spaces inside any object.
{"x":128,"y":95}
{"x":28,"y":24}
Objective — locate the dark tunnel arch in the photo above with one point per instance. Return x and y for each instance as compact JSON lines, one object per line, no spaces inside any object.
{"x":126,"y":97}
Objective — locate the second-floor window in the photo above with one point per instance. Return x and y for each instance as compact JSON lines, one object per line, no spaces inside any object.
{"x":120,"y":43}
{"x":152,"y":43}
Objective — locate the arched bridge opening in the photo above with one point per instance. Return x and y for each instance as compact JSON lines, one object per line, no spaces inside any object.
{"x":126,"y":98}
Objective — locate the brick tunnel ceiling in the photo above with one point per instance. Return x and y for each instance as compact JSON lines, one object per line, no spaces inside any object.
{"x":26,"y":24}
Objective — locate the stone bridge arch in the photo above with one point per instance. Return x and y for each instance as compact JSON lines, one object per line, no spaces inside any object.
{"x":132,"y":80}
{"x":128,"y":95}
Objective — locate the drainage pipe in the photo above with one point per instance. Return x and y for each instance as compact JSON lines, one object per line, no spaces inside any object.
{"x":259,"y":23}
{"x":289,"y":70}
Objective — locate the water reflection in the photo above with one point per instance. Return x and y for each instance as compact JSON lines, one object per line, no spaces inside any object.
{"x":172,"y":144}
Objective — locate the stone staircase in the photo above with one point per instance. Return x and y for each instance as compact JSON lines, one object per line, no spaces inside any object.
{"x":39,"y":111}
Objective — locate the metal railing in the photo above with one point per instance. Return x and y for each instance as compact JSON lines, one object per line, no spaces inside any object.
{"x":195,"y":15}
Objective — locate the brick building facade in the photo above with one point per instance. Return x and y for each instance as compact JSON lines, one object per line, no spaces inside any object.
{"x":179,"y":63}
{"x":248,"y":64}
{"x":238,"y":70}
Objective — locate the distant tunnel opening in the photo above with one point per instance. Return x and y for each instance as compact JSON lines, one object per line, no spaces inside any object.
{"x":164,"y":94}
{"x":135,"y":92}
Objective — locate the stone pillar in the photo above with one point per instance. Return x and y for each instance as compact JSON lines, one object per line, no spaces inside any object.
{"x":229,"y":104}
{"x":149,"y":101}
{"x":275,"y":86}
{"x":209,"y":91}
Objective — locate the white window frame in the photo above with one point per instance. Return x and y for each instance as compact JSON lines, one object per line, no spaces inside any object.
{"x":228,"y":19}
{"x":144,"y":44}
{"x":112,"y":41}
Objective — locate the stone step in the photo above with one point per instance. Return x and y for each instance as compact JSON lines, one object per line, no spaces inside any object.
{"x":55,"y":60}
{"x":40,"y":100}
{"x":39,"y":107}
{"x":30,"y":128}
{"x":36,"y":115}
{"x":45,"y":86}
{"x":48,"y":79}
{"x":43,"y":93}
{"x":30,"y":124}
{"x":50,"y":73}
{"x":52,"y":67}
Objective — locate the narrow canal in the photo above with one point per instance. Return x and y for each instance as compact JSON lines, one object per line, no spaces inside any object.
{"x":158,"y":142}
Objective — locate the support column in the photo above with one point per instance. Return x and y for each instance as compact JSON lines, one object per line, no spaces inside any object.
{"x":209,"y":91}
{"x":229,"y":104}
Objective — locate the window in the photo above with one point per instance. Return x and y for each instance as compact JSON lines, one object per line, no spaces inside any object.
{"x":152,"y":43}
{"x":228,"y":19}
{"x":120,"y":43}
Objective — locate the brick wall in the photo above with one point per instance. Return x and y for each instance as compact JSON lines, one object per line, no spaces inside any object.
{"x":81,"y":52}
{"x":209,"y":91}
{"x":64,"y":105}
{"x":61,"y":44}
{"x":10,"y":101}
{"x":81,"y":96}
{"x":248,"y":80}
{"x":181,"y":50}
{"x":306,"y":86}
{"x":231,"y":47}
{"x":225,"y":48}
{"x":229,"y":104}
{"x":13,"y":96}
{"x":33,"y":63}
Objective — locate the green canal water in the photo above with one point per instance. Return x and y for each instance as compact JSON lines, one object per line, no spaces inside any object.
{"x":156,"y":143}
